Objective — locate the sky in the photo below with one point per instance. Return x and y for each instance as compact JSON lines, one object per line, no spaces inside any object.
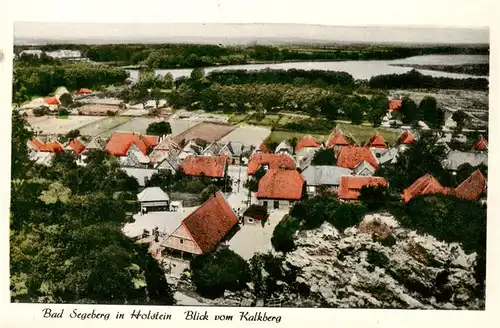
{"x":31,"y":32}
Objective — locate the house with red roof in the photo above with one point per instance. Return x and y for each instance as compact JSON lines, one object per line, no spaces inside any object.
{"x":279,"y":188}
{"x":481,"y":145}
{"x":395,"y":104}
{"x":84,"y":91}
{"x":425,"y":185}
{"x":208,"y":166}
{"x":262,"y":149}
{"x":51,"y":101}
{"x":351,"y":156}
{"x":76,"y":146}
{"x":406,"y":138}
{"x":269,"y":161}
{"x":376,"y":141}
{"x":337,"y":139}
{"x":38,"y":145}
{"x":203,"y":230}
{"x":350,"y":186}
{"x":120,"y":143}
{"x":307,"y":142}
{"x":471,"y":188}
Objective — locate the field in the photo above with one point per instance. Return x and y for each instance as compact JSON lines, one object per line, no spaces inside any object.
{"x":362,"y":133}
{"x":248,"y":135}
{"x":136,"y":124}
{"x":238,"y":118}
{"x":52,"y":125}
{"x":279,"y":136}
{"x":206,"y":131}
{"x":104,"y":125}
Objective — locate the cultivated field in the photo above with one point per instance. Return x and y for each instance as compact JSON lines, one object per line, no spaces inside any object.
{"x":248,"y":135}
{"x":279,"y":136}
{"x":206,"y":131}
{"x":179,"y":126}
{"x":53,"y":125}
{"x":104,"y":125}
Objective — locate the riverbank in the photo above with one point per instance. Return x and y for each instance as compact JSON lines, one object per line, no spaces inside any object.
{"x":469,"y":69}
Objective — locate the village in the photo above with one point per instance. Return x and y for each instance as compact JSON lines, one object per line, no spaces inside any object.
{"x":259,"y":185}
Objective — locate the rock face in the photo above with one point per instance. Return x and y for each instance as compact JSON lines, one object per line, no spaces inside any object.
{"x":380,"y":265}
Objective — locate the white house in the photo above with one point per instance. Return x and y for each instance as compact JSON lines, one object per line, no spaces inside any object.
{"x":153,"y":199}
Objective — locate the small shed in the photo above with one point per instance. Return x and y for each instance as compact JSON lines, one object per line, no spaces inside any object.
{"x":255,"y":213}
{"x":153,"y":199}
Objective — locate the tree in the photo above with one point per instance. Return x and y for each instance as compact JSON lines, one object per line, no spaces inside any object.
{"x":374,"y":197}
{"x":430,"y":113}
{"x":197,"y":74}
{"x":252,"y":182}
{"x":354,"y":112}
{"x":266,"y":270}
{"x":208,"y":192}
{"x":214,"y":273}
{"x":159,"y":128}
{"x":378,"y":108}
{"x":283,"y":234}
{"x":421,"y":157}
{"x":409,"y":111}
{"x":163,"y":179}
{"x":461,"y":118}
{"x":324,"y":157}
{"x":19,"y":151}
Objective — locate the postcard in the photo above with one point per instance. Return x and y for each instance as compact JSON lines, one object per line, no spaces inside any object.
{"x":266,"y":174}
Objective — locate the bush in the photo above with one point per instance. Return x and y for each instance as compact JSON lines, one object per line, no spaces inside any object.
{"x":373,"y":197}
{"x":282,"y":238}
{"x":110,"y":113}
{"x":159,"y":128}
{"x":208,"y":192}
{"x":266,"y":284}
{"x":62,"y":112}
{"x":217,"y":272}
{"x":40,"y":111}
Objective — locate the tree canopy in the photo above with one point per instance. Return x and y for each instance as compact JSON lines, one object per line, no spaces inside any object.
{"x":159,"y":128}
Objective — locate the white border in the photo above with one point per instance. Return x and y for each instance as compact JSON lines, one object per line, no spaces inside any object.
{"x":465,"y":13}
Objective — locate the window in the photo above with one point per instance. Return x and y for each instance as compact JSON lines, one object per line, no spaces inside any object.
{"x":276,"y":204}
{"x":181,"y":240}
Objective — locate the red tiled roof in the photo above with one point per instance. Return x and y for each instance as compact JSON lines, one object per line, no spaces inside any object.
{"x":275,"y":161}
{"x":209,"y":166}
{"x":53,"y":147}
{"x":307,"y":142}
{"x":37,"y":144}
{"x":51,"y":101}
{"x":472,"y":187}
{"x":376,"y":141}
{"x":120,"y":142}
{"x":424,"y":185}
{"x":84,"y":91}
{"x":350,"y":185}
{"x":395,"y":104}
{"x":77,"y":146}
{"x":350,"y":156}
{"x":480,"y":144}
{"x":281,"y":184}
{"x":211,"y":222}
{"x":406,"y":138}
{"x":336,"y":138}
{"x":263,"y":148}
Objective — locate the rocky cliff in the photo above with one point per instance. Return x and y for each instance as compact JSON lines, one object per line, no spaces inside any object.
{"x":381,"y":265}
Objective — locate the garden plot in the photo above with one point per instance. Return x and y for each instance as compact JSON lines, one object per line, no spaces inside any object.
{"x":179,"y":125}
{"x":205,"y":131}
{"x":248,"y":135}
{"x":136,"y":124}
{"x":53,"y":125}
{"x":104,"y":125}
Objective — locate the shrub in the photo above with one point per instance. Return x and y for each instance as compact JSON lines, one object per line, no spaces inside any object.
{"x":373,"y":197}
{"x":217,"y":272}
{"x":40,"y":111}
{"x":110,"y":113}
{"x":282,"y":238}
{"x":62,"y":112}
{"x":265,"y":284}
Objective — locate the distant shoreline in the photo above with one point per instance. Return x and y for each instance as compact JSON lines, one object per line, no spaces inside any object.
{"x":470,"y":69}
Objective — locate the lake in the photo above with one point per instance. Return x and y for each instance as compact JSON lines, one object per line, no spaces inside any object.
{"x":359,"y":69}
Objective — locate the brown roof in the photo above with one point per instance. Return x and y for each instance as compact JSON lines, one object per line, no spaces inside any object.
{"x":424,"y":185}
{"x":336,"y":138}
{"x":209,"y":166}
{"x":307,"y":142}
{"x":350,"y":185}
{"x":211,"y":222}
{"x":472,"y":187}
{"x":406,"y":138}
{"x":77,"y":146}
{"x":376,"y":141}
{"x":480,"y":144}
{"x":350,"y":156}
{"x":275,"y":161}
{"x":281,"y":184}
